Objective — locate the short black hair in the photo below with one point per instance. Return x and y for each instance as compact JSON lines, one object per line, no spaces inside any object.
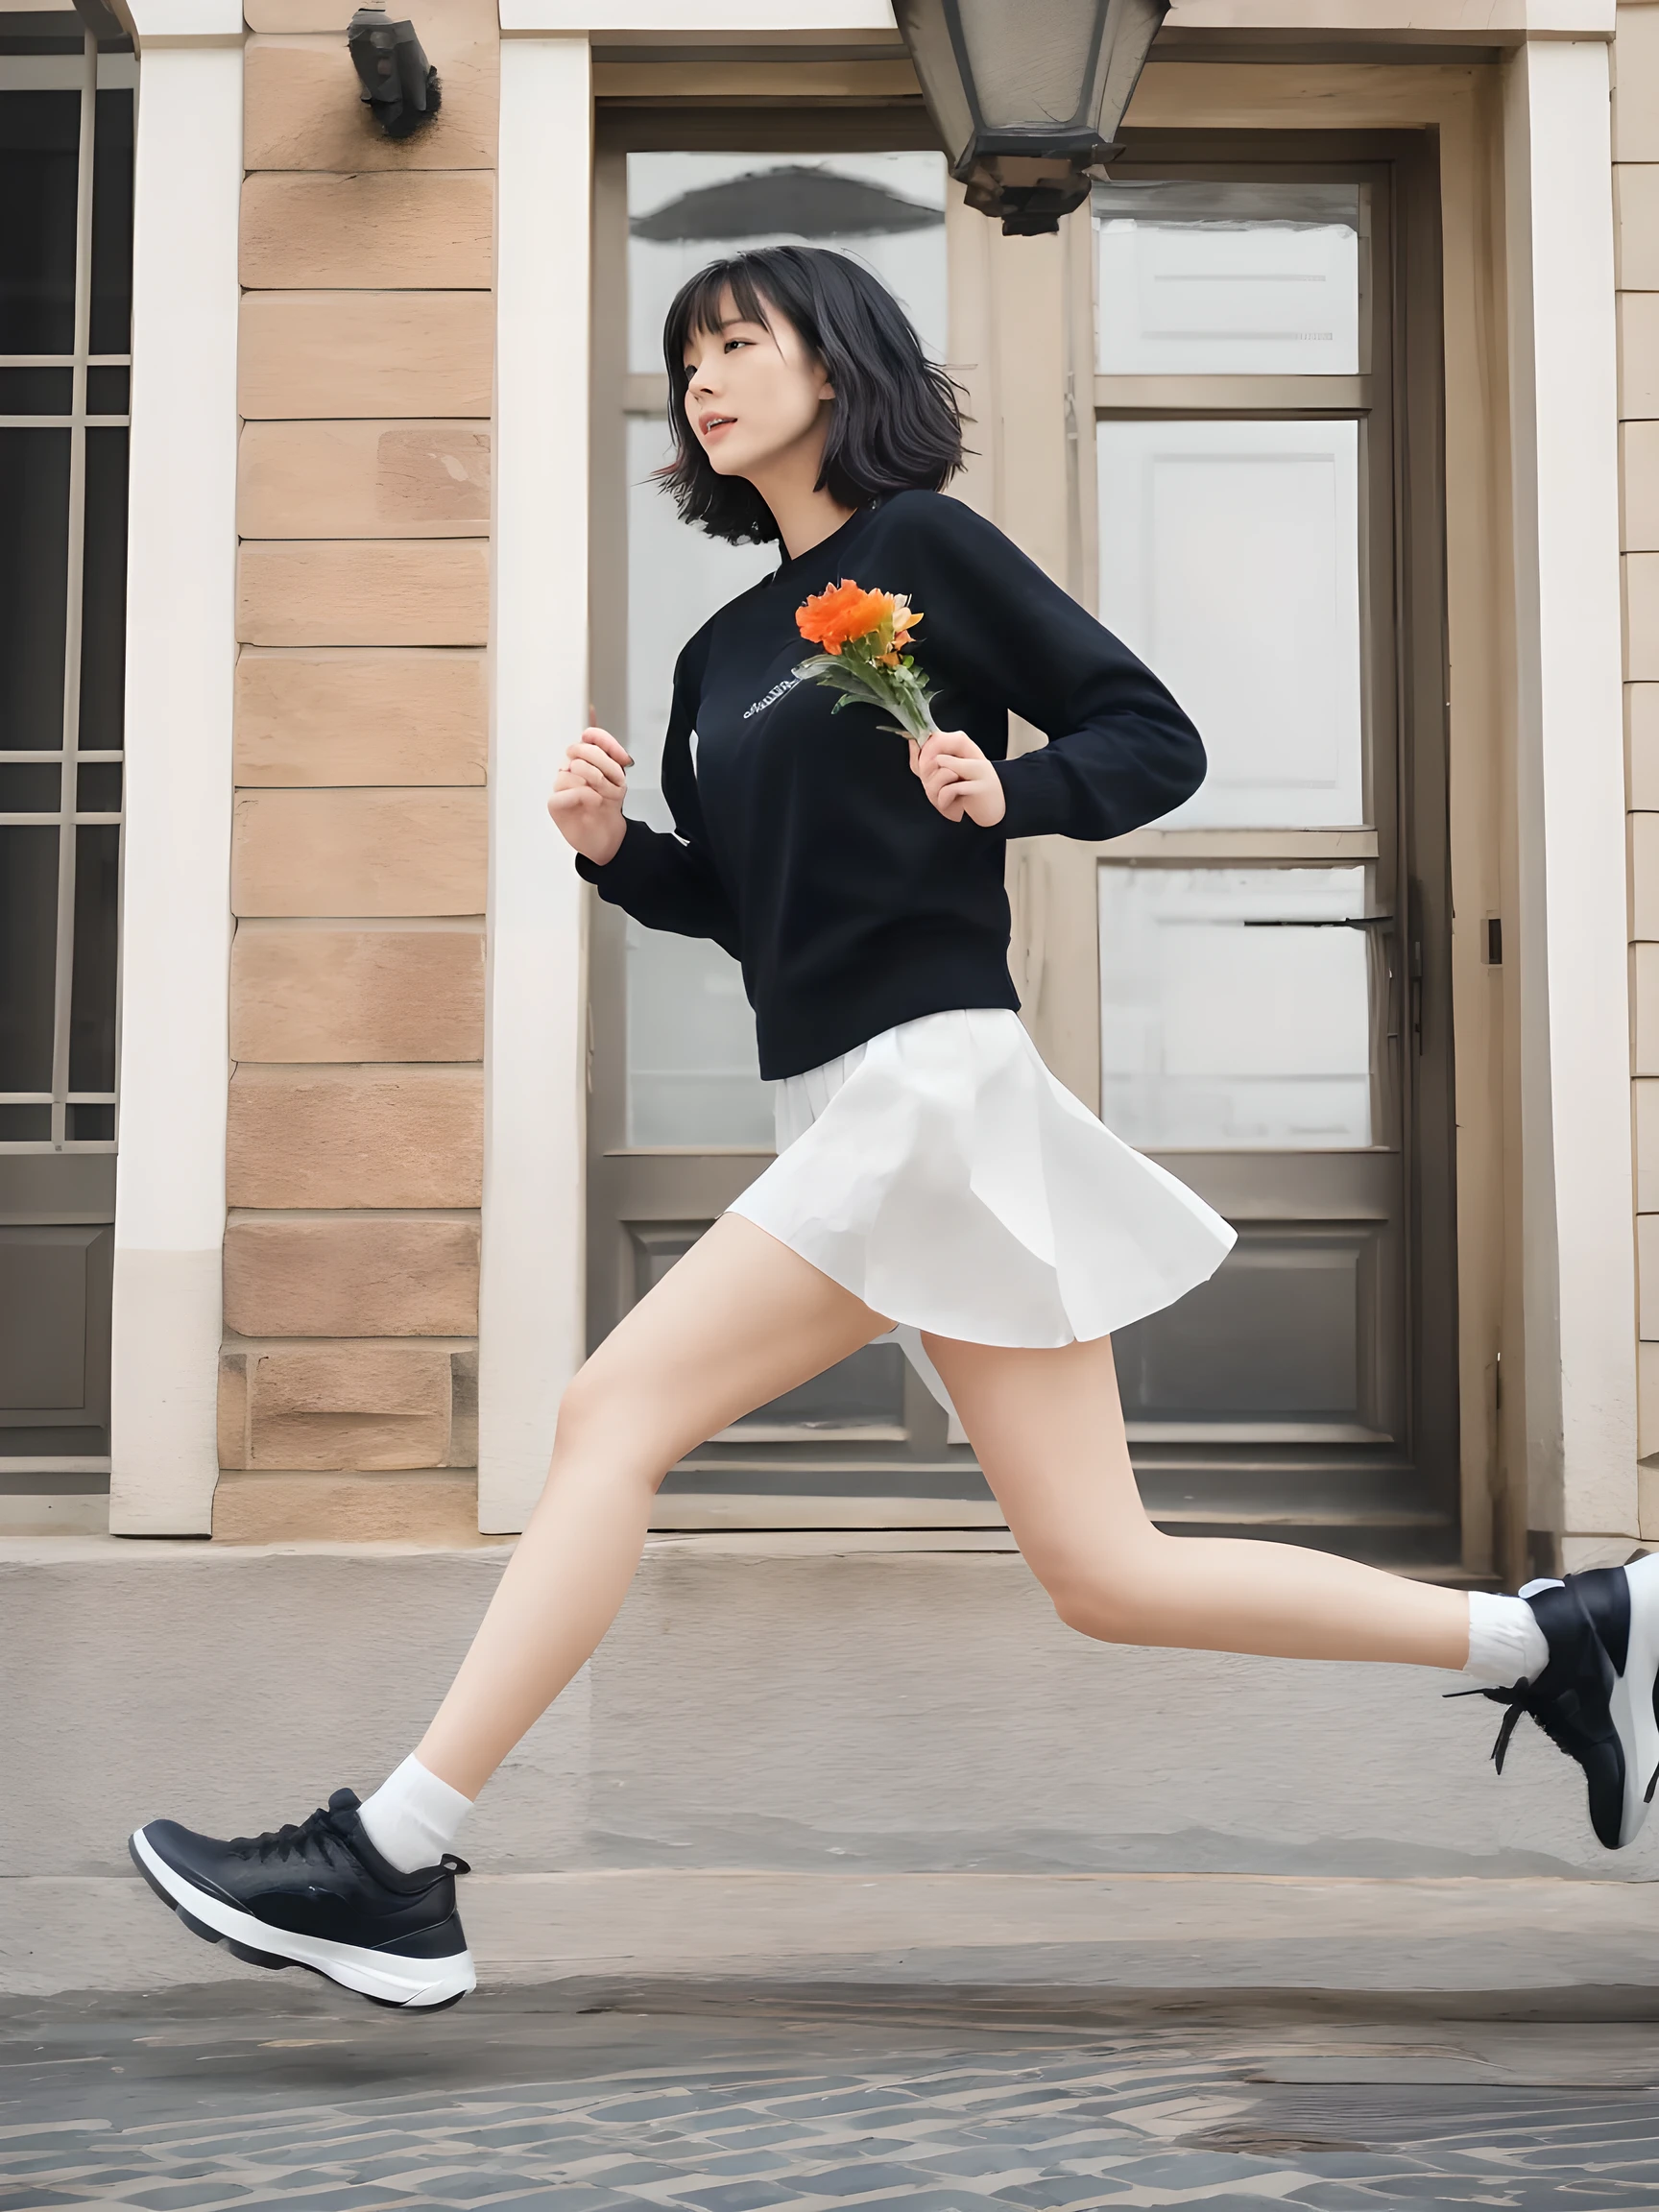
{"x":897,"y":424}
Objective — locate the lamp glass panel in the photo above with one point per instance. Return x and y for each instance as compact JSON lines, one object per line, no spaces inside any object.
{"x":1230,"y":562}
{"x":1031,"y":63}
{"x":1223,"y":1029}
{"x":885,"y":209}
{"x":1226,"y":280}
{"x":927,"y":31}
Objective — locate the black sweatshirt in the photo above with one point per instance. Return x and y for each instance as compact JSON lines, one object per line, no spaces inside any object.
{"x":809,"y":849}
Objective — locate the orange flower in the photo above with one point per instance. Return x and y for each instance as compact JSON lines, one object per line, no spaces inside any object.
{"x":846,"y":613}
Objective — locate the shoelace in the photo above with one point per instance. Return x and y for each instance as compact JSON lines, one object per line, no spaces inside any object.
{"x":305,"y":1839}
{"x":1557,"y":1715}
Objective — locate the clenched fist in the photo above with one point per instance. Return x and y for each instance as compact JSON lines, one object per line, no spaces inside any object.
{"x":587,"y":801}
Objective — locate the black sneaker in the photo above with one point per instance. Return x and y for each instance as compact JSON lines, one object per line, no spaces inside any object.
{"x":319,"y":1895}
{"x":1598,"y":1699}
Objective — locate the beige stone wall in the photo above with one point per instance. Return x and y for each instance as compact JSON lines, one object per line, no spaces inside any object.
{"x":1636,"y":196}
{"x":347,"y":1391}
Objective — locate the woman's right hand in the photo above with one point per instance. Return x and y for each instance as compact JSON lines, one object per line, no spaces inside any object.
{"x":587,"y":801}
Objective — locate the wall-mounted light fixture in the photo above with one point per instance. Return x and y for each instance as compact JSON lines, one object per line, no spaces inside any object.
{"x":1027,"y":97}
{"x":400,"y":85}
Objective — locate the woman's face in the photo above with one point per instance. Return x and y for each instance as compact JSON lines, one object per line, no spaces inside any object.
{"x":753,"y":394}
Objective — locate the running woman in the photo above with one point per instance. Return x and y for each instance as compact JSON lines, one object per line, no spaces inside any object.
{"x":932,"y":1174}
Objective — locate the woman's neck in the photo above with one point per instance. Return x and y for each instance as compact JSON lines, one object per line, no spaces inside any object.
{"x":804,"y":513}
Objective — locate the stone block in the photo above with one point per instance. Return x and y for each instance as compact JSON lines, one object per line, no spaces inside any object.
{"x":361,"y":714}
{"x":301,"y":993}
{"x":328,"y":355}
{"x":1639,"y":487}
{"x":358,"y":479}
{"x":1636,"y":85}
{"x":1636,"y":226}
{"x":1647,"y":1132}
{"x":1642,"y":745}
{"x":300,"y":107}
{"x":355,"y":1137}
{"x":417,"y":230}
{"x":1643,"y":866}
{"x":1638,"y":355}
{"x":439,"y":1510}
{"x":363,"y":591}
{"x":1642,"y":616}
{"x":359,"y":853}
{"x":352,"y":1275}
{"x":348,"y":1407}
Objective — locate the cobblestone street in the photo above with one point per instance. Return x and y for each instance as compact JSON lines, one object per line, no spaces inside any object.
{"x":761,"y":2099}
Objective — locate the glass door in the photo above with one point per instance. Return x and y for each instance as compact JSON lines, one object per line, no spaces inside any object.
{"x":679,"y":1122}
{"x":65,"y":282}
{"x":1274,"y":1022}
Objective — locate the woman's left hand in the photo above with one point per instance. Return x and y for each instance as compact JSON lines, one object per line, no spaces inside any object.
{"x":958,"y":778}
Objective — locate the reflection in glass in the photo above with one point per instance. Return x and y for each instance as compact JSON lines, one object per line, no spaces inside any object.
{"x":39,"y":133}
{"x":104,"y":593}
{"x":1230,"y":562}
{"x":34,"y":585}
{"x":1227,"y":280}
{"x":687,"y":209}
{"x":693,"y":1077}
{"x":1219,"y":1033}
{"x":28,"y":951}
{"x":112,"y":225}
{"x":92,"y":993}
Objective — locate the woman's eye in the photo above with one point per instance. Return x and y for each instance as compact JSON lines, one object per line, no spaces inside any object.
{"x":733,"y":343}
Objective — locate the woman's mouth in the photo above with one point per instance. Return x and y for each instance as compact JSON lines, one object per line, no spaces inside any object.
{"x":710,"y":425}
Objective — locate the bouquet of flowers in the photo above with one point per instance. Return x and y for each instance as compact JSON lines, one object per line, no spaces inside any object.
{"x":864,"y":634}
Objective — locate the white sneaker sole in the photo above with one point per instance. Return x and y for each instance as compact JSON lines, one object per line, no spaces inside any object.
{"x":1632,"y":1701}
{"x":418,"y":1984}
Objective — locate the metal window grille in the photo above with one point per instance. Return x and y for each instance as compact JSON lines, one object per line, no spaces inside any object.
{"x":66,"y":132}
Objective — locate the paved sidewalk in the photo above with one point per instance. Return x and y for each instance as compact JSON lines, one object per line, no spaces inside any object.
{"x":812,"y":2098}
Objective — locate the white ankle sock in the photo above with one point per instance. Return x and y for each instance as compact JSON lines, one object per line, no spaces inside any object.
{"x":1506,"y":1642}
{"x":413,"y":1817}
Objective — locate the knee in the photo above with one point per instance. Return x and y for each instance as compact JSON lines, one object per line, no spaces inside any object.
{"x":1110,"y":1600}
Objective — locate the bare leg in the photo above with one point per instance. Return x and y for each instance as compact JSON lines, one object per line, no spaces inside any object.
{"x":740,"y":1319}
{"x":1048,"y":1431}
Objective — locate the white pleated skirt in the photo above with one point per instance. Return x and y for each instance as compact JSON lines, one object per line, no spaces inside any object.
{"x":943,"y":1175}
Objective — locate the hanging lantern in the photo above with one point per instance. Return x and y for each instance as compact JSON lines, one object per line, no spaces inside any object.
{"x":1027,"y":94}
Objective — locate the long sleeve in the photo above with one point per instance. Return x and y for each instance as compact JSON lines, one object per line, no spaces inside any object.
{"x":670,"y":882}
{"x":1121,"y":751}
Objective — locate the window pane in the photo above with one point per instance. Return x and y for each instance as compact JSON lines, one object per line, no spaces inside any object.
{"x":694,"y":1076}
{"x":28,"y":956}
{"x":25,"y":1125}
{"x":1227,"y":280}
{"x":1230,"y":562}
{"x":687,"y":209}
{"x":34,"y":580}
{"x":107,"y":391}
{"x":104,"y":593}
{"x":30,"y":786}
{"x":1219,"y":1033}
{"x":98,"y":787}
{"x":40,"y":132}
{"x":90,"y":1124}
{"x":92,"y":999}
{"x":37,"y":391}
{"x":112,"y":225}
